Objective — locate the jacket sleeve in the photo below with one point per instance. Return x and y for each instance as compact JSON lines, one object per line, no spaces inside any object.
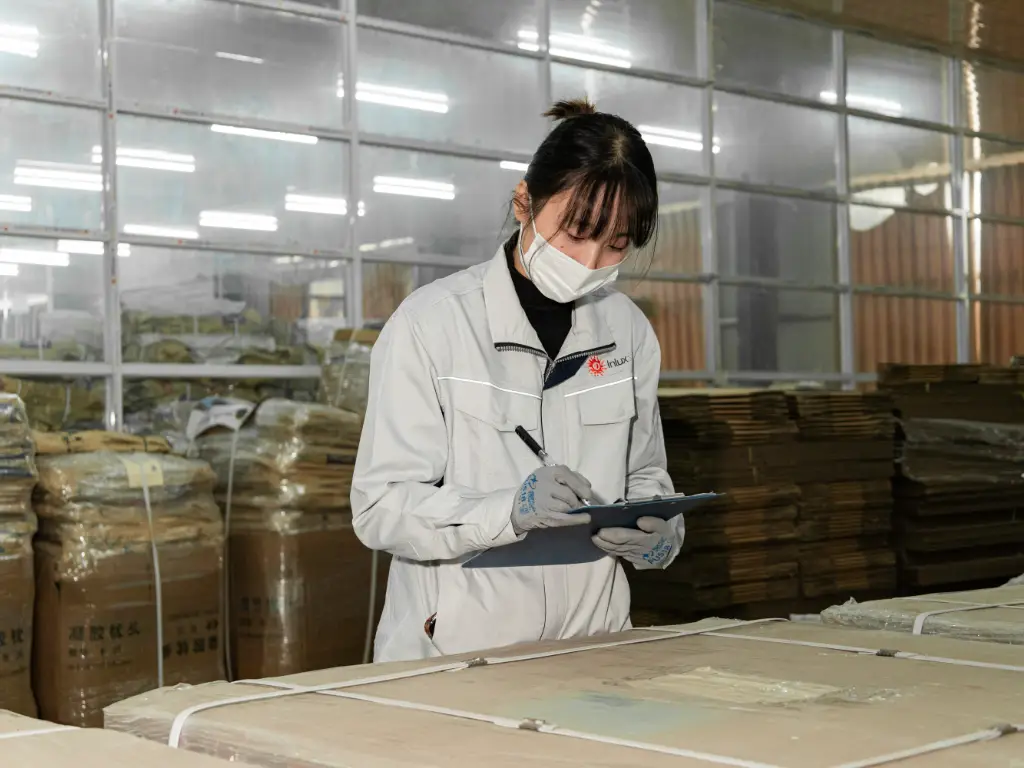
{"x":397,"y":505}
{"x":647,"y":470}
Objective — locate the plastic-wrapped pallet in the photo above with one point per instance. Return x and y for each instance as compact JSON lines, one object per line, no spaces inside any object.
{"x":17,"y":582}
{"x":29,"y":742}
{"x":123,"y":538}
{"x":299,"y":580}
{"x":345,"y":376}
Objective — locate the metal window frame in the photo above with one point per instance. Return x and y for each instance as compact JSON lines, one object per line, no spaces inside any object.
{"x":351,"y":259}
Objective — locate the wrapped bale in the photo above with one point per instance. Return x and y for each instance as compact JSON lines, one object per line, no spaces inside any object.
{"x":714,"y":693}
{"x":121,"y":537}
{"x":299,"y":579}
{"x":56,"y":405}
{"x":345,"y":374}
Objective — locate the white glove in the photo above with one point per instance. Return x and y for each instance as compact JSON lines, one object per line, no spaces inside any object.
{"x":655,"y":545}
{"x":547,"y":496}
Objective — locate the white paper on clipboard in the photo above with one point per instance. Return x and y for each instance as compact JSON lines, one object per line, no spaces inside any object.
{"x":569,"y":546}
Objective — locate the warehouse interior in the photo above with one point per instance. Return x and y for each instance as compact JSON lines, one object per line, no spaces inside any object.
{"x":209,"y":209}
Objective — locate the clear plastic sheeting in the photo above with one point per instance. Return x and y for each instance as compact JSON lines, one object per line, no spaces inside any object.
{"x":109,"y":524}
{"x":345,"y":377}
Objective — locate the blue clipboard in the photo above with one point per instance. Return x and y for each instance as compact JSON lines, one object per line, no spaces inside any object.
{"x":571,"y":546}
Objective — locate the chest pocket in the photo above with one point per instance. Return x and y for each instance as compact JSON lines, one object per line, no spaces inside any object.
{"x":606,"y":415}
{"x":484,"y":451}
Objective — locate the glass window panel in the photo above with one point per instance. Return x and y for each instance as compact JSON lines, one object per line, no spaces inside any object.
{"x":776,"y":237}
{"x":767,"y":329}
{"x":51,"y":300}
{"x":55,"y":404}
{"x":776,"y":144}
{"x":902,"y":249}
{"x":490,"y":21}
{"x":387,"y":284}
{"x":51,"y":45}
{"x":889,"y":329}
{"x":895,"y":165}
{"x":668,"y":116}
{"x":677,"y":247}
{"x":182,"y":306}
{"x":427,"y":204}
{"x":647,"y":34}
{"x":997,"y":258}
{"x":991,"y":100}
{"x":48,"y":173}
{"x":995,"y":178}
{"x":421,"y":89}
{"x":776,"y":53}
{"x":231,"y":188}
{"x":896,"y":81}
{"x":1000,"y":334}
{"x":217,"y":57}
{"x":676,"y":311}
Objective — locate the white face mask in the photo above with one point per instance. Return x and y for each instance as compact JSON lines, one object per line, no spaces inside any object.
{"x":557,"y":275}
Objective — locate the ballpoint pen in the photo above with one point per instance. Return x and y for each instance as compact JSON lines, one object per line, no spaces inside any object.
{"x":539,"y":452}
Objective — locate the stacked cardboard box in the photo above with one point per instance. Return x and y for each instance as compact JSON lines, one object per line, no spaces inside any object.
{"x":300,"y":580}
{"x":844,"y":466}
{"x":759,"y":695}
{"x":741,"y":549}
{"x":959,"y":490}
{"x":17,"y":581}
{"x":129,"y":569}
{"x":990,"y":615}
{"x":29,"y":742}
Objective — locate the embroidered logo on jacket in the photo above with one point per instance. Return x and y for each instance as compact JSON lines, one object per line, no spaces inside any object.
{"x":596,"y":366}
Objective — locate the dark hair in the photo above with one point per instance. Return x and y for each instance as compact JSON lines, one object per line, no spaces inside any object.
{"x":601,"y":157}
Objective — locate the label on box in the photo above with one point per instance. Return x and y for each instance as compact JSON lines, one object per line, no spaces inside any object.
{"x":141,"y":472}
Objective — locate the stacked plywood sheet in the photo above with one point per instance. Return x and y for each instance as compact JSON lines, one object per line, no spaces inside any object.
{"x":128,"y":579}
{"x":28,"y":742}
{"x":843,"y":467}
{"x":742,"y":549}
{"x":756,"y":695}
{"x":959,"y":490}
{"x":299,"y":590}
{"x":989,"y":615}
{"x":17,"y":581}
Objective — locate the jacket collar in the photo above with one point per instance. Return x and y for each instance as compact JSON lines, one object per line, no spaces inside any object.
{"x":509,"y":324}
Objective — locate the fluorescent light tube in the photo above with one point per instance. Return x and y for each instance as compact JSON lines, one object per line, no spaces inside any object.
{"x":148,"y":230}
{"x":256,"y":133}
{"x":333,"y":206}
{"x":21,"y":41}
{"x":579,"y":48}
{"x":37,"y":258}
{"x":156,"y":159}
{"x":91,"y":247}
{"x":58,"y":176}
{"x":8,"y":270}
{"x":393,"y":96}
{"x":873,"y":103}
{"x":670,"y":137}
{"x":256,"y":222}
{"x":238,"y":57}
{"x":512,"y":165}
{"x":19,"y":203}
{"x":394,"y":185}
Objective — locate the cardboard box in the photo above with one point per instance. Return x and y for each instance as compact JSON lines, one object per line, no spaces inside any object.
{"x":17,"y":588}
{"x":758,"y":695}
{"x":55,"y":746}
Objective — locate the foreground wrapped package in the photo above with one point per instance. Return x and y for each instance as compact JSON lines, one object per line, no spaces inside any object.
{"x":300,"y":580}
{"x":28,"y":742}
{"x":990,"y":615}
{"x":97,"y":638}
{"x":17,"y":581}
{"x":756,"y":695}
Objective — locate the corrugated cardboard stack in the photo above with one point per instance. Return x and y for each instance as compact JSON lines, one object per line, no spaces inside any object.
{"x":29,"y":742}
{"x":742,"y":549}
{"x":959,"y":489}
{"x":124,"y":538}
{"x":17,"y":581}
{"x":844,"y":468}
{"x":989,"y":615}
{"x":760,"y":696}
{"x":299,"y":578}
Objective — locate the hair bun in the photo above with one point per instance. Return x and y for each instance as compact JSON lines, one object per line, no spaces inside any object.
{"x":566,"y":110}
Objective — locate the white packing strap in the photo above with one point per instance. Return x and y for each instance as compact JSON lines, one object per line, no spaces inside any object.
{"x":36,"y":732}
{"x":226,"y":572}
{"x":921,"y":618}
{"x":157,"y":578}
{"x":989,"y":734}
{"x":67,"y":406}
{"x":178,"y":725}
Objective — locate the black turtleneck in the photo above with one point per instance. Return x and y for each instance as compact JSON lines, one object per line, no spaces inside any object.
{"x":549,"y":319}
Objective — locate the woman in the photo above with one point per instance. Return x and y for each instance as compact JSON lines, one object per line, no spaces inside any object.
{"x":534,"y":338}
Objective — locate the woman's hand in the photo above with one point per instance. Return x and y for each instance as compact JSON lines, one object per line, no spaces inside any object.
{"x":546,"y":499}
{"x":655,"y":545}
